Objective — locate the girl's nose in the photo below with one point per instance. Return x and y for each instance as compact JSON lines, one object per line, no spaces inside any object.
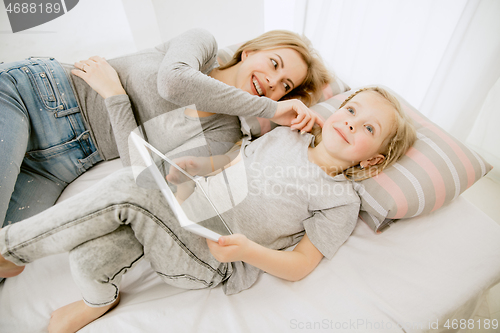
{"x":350,"y":126}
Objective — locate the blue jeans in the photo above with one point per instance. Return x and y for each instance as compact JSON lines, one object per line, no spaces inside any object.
{"x":44,"y":143}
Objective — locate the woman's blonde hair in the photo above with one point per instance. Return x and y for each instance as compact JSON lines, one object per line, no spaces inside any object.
{"x":317,"y":75}
{"x":394,"y":146}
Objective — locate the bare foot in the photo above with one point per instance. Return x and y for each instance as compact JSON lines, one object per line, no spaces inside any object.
{"x":74,"y":316}
{"x":9,"y":269}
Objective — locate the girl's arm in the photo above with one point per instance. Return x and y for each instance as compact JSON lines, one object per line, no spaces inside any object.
{"x":289,"y":265}
{"x":202,"y":166}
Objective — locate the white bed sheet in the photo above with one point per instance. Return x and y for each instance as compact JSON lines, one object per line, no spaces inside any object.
{"x":417,"y":273}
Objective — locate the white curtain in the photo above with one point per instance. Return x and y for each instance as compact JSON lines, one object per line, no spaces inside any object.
{"x":443,"y":56}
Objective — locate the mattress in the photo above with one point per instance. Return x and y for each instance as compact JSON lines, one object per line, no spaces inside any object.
{"x":417,"y":276}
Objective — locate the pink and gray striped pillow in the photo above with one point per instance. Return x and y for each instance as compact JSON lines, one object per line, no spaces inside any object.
{"x":434,"y":171}
{"x":255,"y":126}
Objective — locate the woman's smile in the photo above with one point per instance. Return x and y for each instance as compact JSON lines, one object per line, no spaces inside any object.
{"x":270,"y":73}
{"x":259,"y":90}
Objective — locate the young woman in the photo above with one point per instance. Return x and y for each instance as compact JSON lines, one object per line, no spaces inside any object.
{"x":305,"y":196}
{"x":56,"y":121}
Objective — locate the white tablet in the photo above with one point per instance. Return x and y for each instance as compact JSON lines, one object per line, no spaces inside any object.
{"x":214,"y":225}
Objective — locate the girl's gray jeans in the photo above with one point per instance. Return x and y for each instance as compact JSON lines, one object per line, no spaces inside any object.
{"x":136,"y":223}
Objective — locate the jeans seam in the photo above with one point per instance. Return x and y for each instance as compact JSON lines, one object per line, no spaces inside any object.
{"x":59,"y":149}
{"x":190,"y":277}
{"x":9,"y":252}
{"x":125,"y":267}
{"x":105,"y":210}
{"x":87,"y":162}
{"x":117,"y":291}
{"x":55,"y":230}
{"x":54,"y":84}
{"x":7,"y":70}
{"x":179,"y":242}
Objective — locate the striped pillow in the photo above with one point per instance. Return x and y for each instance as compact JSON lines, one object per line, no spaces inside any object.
{"x":433,"y":172}
{"x":256,"y":126}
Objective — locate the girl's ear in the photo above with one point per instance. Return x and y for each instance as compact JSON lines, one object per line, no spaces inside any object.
{"x":377,"y":159}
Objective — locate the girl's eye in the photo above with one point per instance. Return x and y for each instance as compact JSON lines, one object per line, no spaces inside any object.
{"x":370,"y":129}
{"x":275,"y":64}
{"x":286,"y":86}
{"x":351,"y":111}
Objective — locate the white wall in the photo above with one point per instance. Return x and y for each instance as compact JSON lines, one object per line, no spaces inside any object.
{"x":141,"y":18}
{"x":285,"y":14}
{"x":92,"y":27}
{"x":230,"y":21}
{"x":111,"y":28}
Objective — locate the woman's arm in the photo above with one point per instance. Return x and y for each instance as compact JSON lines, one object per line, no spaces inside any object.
{"x":181,"y":81}
{"x":100,"y":76}
{"x":104,"y":79}
{"x":289,"y":265}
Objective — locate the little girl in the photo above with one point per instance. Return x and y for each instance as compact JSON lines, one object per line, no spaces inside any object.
{"x":284,"y":189}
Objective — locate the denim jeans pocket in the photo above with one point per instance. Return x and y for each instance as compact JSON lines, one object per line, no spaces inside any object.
{"x":66,"y":161}
{"x":44,"y":84}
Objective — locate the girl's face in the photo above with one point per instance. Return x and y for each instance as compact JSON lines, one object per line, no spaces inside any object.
{"x":355,"y":133}
{"x":271,"y":73}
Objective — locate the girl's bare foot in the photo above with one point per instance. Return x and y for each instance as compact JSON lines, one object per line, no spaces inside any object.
{"x":9,"y":269}
{"x":74,"y":316}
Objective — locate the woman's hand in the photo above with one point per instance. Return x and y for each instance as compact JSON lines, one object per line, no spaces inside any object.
{"x":297,"y":115}
{"x":100,"y":76}
{"x":230,"y":248}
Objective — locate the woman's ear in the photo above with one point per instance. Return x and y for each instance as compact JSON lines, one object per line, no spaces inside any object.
{"x":245,"y":54}
{"x":377,"y":159}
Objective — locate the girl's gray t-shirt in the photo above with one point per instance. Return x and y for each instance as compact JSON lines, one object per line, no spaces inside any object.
{"x":275,"y":193}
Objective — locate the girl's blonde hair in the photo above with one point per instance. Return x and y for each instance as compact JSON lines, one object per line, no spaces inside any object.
{"x":394,"y":146}
{"x":317,"y":75}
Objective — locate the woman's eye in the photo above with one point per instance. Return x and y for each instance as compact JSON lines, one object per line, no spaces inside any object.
{"x":370,"y":129}
{"x":275,"y":64}
{"x":286,"y":86}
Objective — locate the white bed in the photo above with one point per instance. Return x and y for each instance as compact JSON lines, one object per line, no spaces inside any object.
{"x":410,"y":277}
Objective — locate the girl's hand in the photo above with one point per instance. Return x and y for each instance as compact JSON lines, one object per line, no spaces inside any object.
{"x":192,"y":165}
{"x":100,"y":76}
{"x":230,"y":248}
{"x":295,"y":114}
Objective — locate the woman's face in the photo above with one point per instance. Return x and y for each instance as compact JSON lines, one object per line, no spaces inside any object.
{"x":270,"y":73}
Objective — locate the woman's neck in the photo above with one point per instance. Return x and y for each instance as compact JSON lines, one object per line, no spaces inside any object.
{"x":328,"y":163}
{"x":227,"y":75}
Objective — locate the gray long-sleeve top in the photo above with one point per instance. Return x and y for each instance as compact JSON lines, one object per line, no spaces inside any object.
{"x":170,"y":76}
